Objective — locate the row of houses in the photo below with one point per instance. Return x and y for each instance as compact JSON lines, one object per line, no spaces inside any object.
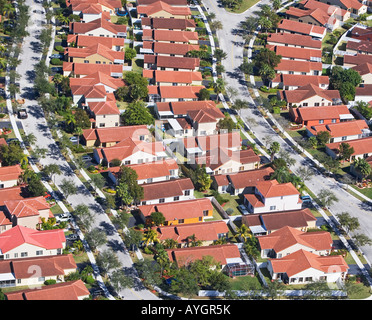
{"x":299,"y":76}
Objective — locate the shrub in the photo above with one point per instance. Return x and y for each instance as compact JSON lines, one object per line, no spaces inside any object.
{"x":60,"y":49}
{"x":89,"y":280}
{"x":56,"y":62}
{"x":229,"y":211}
{"x":50,"y":281}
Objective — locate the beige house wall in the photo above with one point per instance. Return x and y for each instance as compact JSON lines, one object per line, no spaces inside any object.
{"x":91,"y":59}
{"x":30,"y":250}
{"x":107,"y":121}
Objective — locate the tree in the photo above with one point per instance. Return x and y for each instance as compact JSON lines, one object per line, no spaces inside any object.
{"x":82,"y":119}
{"x":137,"y":85}
{"x":107,"y":260}
{"x":243,"y":232}
{"x":364,"y":109}
{"x":137,"y":114}
{"x":150,"y":236}
{"x":170,"y":243}
{"x":121,"y":219}
{"x":29,"y":139}
{"x":68,"y":188}
{"x":362,"y":167}
{"x":348,"y":222}
{"x":122,"y":192}
{"x":157,"y":218}
{"x":11,"y":154}
{"x":276,"y":4}
{"x":219,"y":55}
{"x":226,"y":123}
{"x":203,"y":179}
{"x":204,"y":94}
{"x":323,"y":138}
{"x":129,"y":177}
{"x":51,"y":169}
{"x":305,"y":173}
{"x":130,"y":53}
{"x":326,"y":197}
{"x":361,"y":240}
{"x":119,"y":280}
{"x":96,"y":238}
{"x":192,"y":241}
{"x":239,"y":105}
{"x":274,"y":148}
{"x":282,"y":175}
{"x":98,"y":181}
{"x":132,"y":238}
{"x":216,"y":25}
{"x":274,"y":289}
{"x":347,"y":92}
{"x":35,"y":187}
{"x":345,"y":151}
{"x":267,"y":57}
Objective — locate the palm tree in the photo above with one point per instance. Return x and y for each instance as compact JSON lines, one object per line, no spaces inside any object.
{"x":274,"y":148}
{"x":218,"y":86}
{"x":69,"y":119}
{"x":3,"y":63}
{"x":162,"y":259}
{"x":244,"y":232}
{"x":170,"y":243}
{"x":63,"y":19}
{"x":151,"y":236}
{"x":363,"y":167}
{"x":8,"y":9}
{"x":192,"y":241}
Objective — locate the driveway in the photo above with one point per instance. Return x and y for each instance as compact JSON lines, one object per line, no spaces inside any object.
{"x":36,"y":124}
{"x":232,"y":44}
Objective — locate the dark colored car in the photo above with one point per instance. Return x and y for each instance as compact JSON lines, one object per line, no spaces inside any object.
{"x":22,"y":114}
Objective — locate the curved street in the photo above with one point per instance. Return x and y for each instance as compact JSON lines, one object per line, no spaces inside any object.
{"x":36,"y":124}
{"x":233,"y":44}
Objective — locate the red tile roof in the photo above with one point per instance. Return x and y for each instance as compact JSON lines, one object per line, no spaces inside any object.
{"x":362,"y":46}
{"x":204,"y":231}
{"x":176,"y":92}
{"x":159,"y":6}
{"x":272,"y":188}
{"x":220,"y":253}
{"x":84,"y":69}
{"x":13,"y":193}
{"x":340,"y":129}
{"x":299,"y":66}
{"x":97,"y":78}
{"x":96,"y":49}
{"x":364,"y":68}
{"x":294,"y":39}
{"x":18,"y":235}
{"x":84,"y":28}
{"x":166,"y":189}
{"x":357,"y":59}
{"x":103,"y":108}
{"x":168,"y":23}
{"x":189,"y":209}
{"x":287,"y":236}
{"x":302,"y":28}
{"x":322,"y":113}
{"x":10,"y":173}
{"x":173,"y":62}
{"x":361,"y":146}
{"x":116,"y":134}
{"x":170,"y":48}
{"x":302,"y":260}
{"x":82,"y":40}
{"x":26,"y":207}
{"x":305,"y":92}
{"x":297,"y":53}
{"x":71,"y":290}
{"x":250,"y":178}
{"x":169,"y":35}
{"x":173,"y":76}
{"x":298,"y":80}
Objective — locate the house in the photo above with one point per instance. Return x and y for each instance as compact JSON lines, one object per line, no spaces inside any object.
{"x":9,"y":176}
{"x":89,"y":12}
{"x":266,"y":223}
{"x":302,"y":267}
{"x":189,"y":211}
{"x":173,"y":93}
{"x":109,"y":6}
{"x":245,"y":181}
{"x":16,"y":272}
{"x":207,"y":232}
{"x":171,"y":63}
{"x":180,"y":109}
{"x":361,"y":33}
{"x":310,"y":95}
{"x":23,"y":242}
{"x":161,"y":9}
{"x":294,"y":81}
{"x":173,"y":3}
{"x":170,"y":36}
{"x":287,"y":240}
{"x":150,"y":172}
{"x":27,"y":212}
{"x":104,"y":114}
{"x":97,"y":53}
{"x":99,"y":28}
{"x":223,"y":254}
{"x":297,"y":54}
{"x":167,"y":49}
{"x":173,"y":78}
{"x":167,"y":191}
{"x":78,"y":70}
{"x":296,"y":27}
{"x":365,"y":71}
{"x":307,"y":68}
{"x":220,"y":161}
{"x":363,"y":93}
{"x":272,"y":196}
{"x":341,"y":131}
{"x":362,"y":148}
{"x":352,"y":61}
{"x":293,"y":40}
{"x":312,"y":116}
{"x":83,"y":41}
{"x":361,"y":47}
{"x":168,"y":24}
{"x":11,"y":193}
{"x":131,"y":151}
{"x":353,"y":6}
{"x":108,"y":137}
{"x":200,"y":145}
{"x":71,"y":290}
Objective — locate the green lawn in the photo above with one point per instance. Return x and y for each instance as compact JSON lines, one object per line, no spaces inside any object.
{"x":246,"y":4}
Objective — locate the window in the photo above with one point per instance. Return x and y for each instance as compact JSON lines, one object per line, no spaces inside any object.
{"x":143,"y":203}
{"x":205,"y":213}
{"x":102,"y":125}
{"x":334,"y":120}
{"x":176,"y":198}
{"x":180,"y":221}
{"x":344,"y":138}
{"x":162,"y":200}
{"x":308,"y":278}
{"x":127,"y":162}
{"x":316,"y":104}
{"x":39,"y":252}
{"x":187,"y":192}
{"x":272,"y":207}
{"x":149,"y":180}
{"x":86,"y":61}
{"x":305,"y":104}
{"x":201,"y":219}
{"x":24,"y":254}
{"x":321,"y":121}
{"x":2,"y":186}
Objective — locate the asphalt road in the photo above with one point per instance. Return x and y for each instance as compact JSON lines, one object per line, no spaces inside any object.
{"x":232,"y":43}
{"x":36,"y":124}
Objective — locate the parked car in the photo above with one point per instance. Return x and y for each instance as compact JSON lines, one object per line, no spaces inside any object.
{"x":22,"y":114}
{"x":243,"y":209}
{"x":56,"y":56}
{"x":72,"y":237}
{"x":63,"y":217}
{"x":86,"y":158}
{"x":305,"y":198}
{"x":74,"y":139}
